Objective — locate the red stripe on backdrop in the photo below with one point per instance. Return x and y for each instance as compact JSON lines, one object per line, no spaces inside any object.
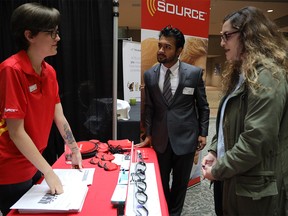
{"x":191,"y":16}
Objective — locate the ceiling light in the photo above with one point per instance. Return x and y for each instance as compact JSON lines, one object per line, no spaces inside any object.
{"x":270,"y":10}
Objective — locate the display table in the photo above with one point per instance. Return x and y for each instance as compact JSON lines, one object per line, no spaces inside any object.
{"x":98,"y":199}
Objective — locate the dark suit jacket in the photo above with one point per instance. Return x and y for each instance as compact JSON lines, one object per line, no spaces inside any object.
{"x":184,"y":119}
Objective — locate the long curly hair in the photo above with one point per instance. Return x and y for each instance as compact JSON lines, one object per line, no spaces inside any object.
{"x":263,"y":44}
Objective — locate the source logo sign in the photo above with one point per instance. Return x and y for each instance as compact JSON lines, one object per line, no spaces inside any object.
{"x":191,"y":16}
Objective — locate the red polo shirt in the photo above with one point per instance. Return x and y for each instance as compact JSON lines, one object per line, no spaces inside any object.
{"x":25,"y":95}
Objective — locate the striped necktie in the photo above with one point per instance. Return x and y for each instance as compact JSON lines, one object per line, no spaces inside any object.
{"x":167,"y":93}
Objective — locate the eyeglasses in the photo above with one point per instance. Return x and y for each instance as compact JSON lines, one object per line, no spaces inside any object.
{"x":53,"y":33}
{"x":225,"y":36}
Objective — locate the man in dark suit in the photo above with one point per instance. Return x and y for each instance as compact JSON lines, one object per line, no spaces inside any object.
{"x":176,"y":124}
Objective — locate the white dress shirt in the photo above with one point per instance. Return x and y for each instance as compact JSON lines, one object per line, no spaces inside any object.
{"x":174,"y":77}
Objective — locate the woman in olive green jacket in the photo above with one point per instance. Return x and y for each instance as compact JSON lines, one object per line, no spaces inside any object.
{"x":248,"y":155}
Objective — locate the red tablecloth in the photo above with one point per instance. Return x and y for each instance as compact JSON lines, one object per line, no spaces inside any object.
{"x":97,"y":202}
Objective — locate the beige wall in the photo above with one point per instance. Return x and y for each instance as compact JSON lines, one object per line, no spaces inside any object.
{"x":213,"y":78}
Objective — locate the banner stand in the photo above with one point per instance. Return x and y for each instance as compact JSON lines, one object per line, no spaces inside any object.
{"x":192,"y":18}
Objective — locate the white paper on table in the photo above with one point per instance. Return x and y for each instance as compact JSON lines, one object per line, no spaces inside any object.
{"x":38,"y":199}
{"x":67,"y":176}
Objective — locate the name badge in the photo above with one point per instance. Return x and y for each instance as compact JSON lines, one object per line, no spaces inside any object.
{"x":32,"y":88}
{"x":188,"y":91}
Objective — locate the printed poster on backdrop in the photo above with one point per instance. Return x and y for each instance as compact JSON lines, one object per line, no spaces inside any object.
{"x":192,"y":18}
{"x":131,"y":70}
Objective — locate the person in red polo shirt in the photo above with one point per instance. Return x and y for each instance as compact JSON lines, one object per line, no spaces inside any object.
{"x":29,"y":103}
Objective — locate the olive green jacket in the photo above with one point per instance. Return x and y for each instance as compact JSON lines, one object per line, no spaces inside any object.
{"x":255,"y":128}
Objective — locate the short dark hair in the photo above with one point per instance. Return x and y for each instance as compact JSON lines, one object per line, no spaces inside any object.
{"x":169,"y":31}
{"x":34,"y":17}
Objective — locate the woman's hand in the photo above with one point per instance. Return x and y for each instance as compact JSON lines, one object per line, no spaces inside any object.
{"x":207,"y":174}
{"x":209,"y":159}
{"x":208,"y":162}
{"x":53,"y":182}
{"x":76,"y":159}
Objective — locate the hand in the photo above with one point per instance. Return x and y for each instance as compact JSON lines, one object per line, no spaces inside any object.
{"x":201,"y":143}
{"x":208,"y":162}
{"x":76,"y":160}
{"x":210,"y":159}
{"x":53,"y":182}
{"x":145,"y":143}
{"x":207,"y":174}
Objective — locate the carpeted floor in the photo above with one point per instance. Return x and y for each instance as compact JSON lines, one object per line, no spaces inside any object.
{"x":199,"y":199}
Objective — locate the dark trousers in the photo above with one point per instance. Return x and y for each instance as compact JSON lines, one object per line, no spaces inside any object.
{"x":11,"y":193}
{"x":181,"y":166}
{"x":218,"y":197}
